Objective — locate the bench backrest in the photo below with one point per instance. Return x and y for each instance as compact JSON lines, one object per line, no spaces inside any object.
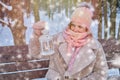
{"x":16,"y":64}
{"x":112,"y":50}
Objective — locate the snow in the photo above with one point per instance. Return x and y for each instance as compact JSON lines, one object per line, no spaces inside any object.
{"x":113,"y":72}
{"x":6,"y":37}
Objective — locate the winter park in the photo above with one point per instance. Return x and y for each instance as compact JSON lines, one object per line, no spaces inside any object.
{"x":59,"y":39}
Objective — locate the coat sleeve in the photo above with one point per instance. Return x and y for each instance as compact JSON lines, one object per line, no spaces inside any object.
{"x":100,"y":68}
{"x":56,"y":68}
{"x":53,"y":72}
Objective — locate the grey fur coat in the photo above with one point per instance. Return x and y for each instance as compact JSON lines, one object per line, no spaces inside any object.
{"x":90,"y":63}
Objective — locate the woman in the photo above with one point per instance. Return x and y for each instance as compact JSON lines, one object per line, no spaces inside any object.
{"x":78,"y":56}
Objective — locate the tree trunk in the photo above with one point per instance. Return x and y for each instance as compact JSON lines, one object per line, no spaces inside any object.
{"x":36,"y":10}
{"x":98,"y":15}
{"x":105,"y":18}
{"x":18,"y":29}
{"x":19,"y":35}
{"x":27,"y":7}
{"x":119,"y":31}
{"x":113,"y":17}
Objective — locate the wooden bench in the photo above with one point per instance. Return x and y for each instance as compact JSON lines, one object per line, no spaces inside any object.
{"x":112,"y":49}
{"x":16,"y":64}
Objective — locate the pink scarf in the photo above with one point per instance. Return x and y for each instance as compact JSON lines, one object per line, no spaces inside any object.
{"x":75,"y":40}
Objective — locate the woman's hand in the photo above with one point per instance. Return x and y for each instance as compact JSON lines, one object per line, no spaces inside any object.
{"x":38,"y":27}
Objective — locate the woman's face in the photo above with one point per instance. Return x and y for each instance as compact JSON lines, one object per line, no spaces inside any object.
{"x":77,"y":28}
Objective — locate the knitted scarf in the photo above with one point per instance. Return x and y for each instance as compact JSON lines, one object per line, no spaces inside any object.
{"x":75,"y":40}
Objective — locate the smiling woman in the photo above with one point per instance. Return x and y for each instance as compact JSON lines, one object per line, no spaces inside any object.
{"x":77,"y":54}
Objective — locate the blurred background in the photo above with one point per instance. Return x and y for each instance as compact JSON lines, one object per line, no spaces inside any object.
{"x":18,"y":16}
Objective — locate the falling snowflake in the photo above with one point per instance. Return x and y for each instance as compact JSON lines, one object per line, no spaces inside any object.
{"x":18,"y":51}
{"x":19,"y":56}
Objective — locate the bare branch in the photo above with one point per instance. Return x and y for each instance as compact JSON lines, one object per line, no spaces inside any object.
{"x":6,"y":6}
{"x":3,"y":22}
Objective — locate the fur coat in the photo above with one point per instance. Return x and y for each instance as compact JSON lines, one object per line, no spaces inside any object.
{"x":90,"y":63}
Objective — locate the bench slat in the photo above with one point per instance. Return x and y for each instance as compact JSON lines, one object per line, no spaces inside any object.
{"x":17,"y":66}
{"x":24,"y":75}
{"x":21,"y":71}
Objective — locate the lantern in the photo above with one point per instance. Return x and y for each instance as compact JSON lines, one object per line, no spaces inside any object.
{"x":46,"y":43}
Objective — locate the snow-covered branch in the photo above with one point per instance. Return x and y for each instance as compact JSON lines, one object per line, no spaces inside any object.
{"x":3,"y":22}
{"x":6,"y":6}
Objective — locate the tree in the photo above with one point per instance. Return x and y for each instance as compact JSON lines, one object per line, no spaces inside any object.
{"x":105,"y":18}
{"x":98,"y":15}
{"x":36,"y":10}
{"x":119,"y":31}
{"x":15,"y":20}
{"x":113,"y":4}
{"x":18,"y":29}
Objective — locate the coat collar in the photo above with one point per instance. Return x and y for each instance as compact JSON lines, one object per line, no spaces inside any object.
{"x":93,"y":44}
{"x":85,"y":56}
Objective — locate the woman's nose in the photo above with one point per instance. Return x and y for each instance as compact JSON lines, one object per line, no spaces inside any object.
{"x":76,"y":28}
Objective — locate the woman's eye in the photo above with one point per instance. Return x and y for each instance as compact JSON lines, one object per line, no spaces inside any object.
{"x":72,"y":25}
{"x":79,"y":26}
